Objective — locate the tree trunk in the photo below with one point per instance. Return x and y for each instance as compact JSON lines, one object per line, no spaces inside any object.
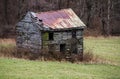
{"x":68,"y":1}
{"x":108,"y":19}
{"x":59,"y":4}
{"x":6,"y":10}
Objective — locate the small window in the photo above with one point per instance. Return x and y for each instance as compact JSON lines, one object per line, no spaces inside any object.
{"x":51,"y":36}
{"x":62,"y":48}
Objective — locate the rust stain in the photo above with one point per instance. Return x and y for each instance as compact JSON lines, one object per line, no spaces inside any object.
{"x":64,"y":18}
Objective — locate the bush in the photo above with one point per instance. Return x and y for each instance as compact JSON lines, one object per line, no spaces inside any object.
{"x":8,"y":49}
{"x":88,"y":56}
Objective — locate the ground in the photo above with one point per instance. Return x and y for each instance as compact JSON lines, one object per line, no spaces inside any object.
{"x":25,"y":69}
{"x":105,"y":48}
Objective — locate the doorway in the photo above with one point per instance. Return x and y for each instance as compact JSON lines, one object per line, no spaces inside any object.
{"x":62,"y":47}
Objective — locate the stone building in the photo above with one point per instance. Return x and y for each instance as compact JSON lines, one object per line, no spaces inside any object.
{"x":55,"y":31}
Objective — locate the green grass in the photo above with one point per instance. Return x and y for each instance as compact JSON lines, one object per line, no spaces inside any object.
{"x":25,"y":69}
{"x":107,"y":48}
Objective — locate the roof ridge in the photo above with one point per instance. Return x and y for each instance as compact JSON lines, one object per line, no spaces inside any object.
{"x":54,"y":11}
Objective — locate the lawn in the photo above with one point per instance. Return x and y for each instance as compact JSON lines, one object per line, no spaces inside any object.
{"x":25,"y":69}
{"x":106,"y":48}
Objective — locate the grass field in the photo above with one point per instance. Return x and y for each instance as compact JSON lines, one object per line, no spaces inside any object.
{"x":25,"y":69}
{"x":106,"y":48}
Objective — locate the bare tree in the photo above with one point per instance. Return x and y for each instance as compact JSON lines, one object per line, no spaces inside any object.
{"x":68,"y":1}
{"x":6,"y":10}
{"x":108,"y":18}
{"x":59,"y":3}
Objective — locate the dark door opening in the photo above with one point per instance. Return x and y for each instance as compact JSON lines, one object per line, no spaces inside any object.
{"x":62,"y":48}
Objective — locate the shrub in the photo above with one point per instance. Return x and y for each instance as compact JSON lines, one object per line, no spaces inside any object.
{"x":8,"y":49}
{"x":88,"y":56}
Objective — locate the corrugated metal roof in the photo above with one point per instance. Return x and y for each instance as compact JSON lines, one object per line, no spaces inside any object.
{"x":65,"y":18}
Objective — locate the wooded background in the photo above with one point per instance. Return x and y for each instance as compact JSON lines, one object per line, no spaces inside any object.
{"x":102,"y":17}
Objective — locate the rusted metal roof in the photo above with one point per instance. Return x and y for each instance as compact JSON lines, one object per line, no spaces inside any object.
{"x":65,"y":18}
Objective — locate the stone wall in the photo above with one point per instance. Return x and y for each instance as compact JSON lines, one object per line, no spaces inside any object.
{"x":28,"y":36}
{"x":64,"y":37}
